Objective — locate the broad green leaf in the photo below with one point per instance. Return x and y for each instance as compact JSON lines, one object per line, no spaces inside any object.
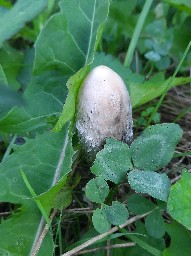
{"x":97,"y":190}
{"x":45,"y":160}
{"x":154,"y":148}
{"x":9,"y":99}
{"x":180,"y":240}
{"x":100,"y":221}
{"x":182,"y":5}
{"x":154,"y":224}
{"x":113,"y":162}
{"x":15,"y":18}
{"x":116,"y":214}
{"x":25,"y":72}
{"x":20,"y":228}
{"x":138,"y":204}
{"x":68,"y":40}
{"x":142,"y":93}
{"x":44,"y":98}
{"x":179,"y":201}
{"x":155,"y":184}
{"x":11,"y":62}
{"x":58,"y":196}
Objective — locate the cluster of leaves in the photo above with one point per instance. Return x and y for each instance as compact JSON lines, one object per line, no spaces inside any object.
{"x":150,"y":152}
{"x":38,"y":92}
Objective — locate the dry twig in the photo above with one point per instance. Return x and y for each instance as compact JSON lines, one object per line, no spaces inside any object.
{"x":101,"y":236}
{"x":124,"y":245}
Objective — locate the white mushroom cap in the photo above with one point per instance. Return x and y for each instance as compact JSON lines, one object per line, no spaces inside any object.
{"x":104,"y":110}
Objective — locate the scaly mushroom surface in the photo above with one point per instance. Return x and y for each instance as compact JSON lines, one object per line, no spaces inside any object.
{"x":103,"y":110}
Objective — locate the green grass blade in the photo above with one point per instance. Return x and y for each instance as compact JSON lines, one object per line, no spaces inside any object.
{"x":137,"y":31}
{"x":142,"y":244}
{"x":169,"y":84}
{"x":31,"y":190}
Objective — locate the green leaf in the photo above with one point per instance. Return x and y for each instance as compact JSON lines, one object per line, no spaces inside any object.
{"x":44,"y":98}
{"x":20,"y":228}
{"x":180,"y":239}
{"x":25,"y":72}
{"x":142,"y":93}
{"x":113,"y":162}
{"x":116,"y":214}
{"x":152,"y":56}
{"x":145,"y":244}
{"x":97,"y":190}
{"x":58,"y":196}
{"x":15,"y":18}
{"x":138,"y":204}
{"x":60,"y":39}
{"x":154,"y":148}
{"x":9,"y":99}
{"x":11,"y":62}
{"x":182,"y":5}
{"x":179,"y":206}
{"x":155,"y":184}
{"x":3,"y":79}
{"x":163,"y":63}
{"x":152,"y":250}
{"x":154,"y":224}
{"x":100,"y":221}
{"x":45,"y":160}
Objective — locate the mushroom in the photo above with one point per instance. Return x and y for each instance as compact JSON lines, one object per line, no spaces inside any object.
{"x":103,"y":110}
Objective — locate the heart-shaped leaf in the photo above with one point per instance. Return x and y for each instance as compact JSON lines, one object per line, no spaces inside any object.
{"x":113,"y":162}
{"x":100,"y":221}
{"x":97,"y":190}
{"x":116,"y":214}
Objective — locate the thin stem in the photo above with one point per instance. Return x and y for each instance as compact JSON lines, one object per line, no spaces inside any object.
{"x":169,"y":84}
{"x":136,"y":34}
{"x":99,"y":237}
{"x":124,"y":245}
